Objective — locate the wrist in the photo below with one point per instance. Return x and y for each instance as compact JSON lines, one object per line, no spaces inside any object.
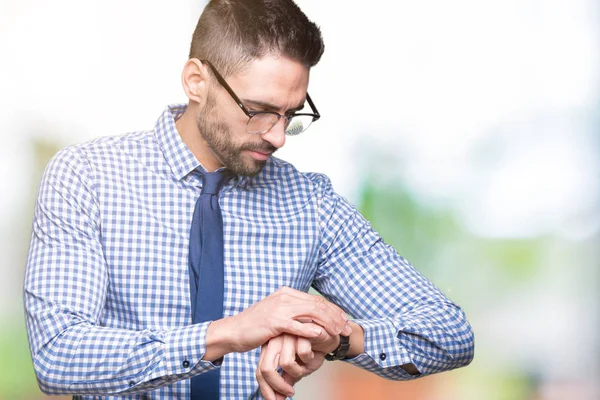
{"x":340,"y":352}
{"x":357,"y":340}
{"x":219,"y":339}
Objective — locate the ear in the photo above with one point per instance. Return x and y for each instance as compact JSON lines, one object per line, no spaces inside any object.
{"x":194,"y":79}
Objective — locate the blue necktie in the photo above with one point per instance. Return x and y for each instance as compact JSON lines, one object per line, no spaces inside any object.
{"x":206,"y":270}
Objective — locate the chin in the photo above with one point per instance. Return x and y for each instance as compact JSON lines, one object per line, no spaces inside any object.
{"x":256,"y":170}
{"x":249,"y":168}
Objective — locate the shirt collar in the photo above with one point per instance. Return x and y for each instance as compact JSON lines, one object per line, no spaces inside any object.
{"x":178,"y":156}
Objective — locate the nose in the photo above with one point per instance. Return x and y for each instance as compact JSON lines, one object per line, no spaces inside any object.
{"x":276,"y":135}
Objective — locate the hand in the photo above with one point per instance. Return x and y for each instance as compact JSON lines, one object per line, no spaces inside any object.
{"x":281,"y":312}
{"x":297,"y":356}
{"x":297,"y":360}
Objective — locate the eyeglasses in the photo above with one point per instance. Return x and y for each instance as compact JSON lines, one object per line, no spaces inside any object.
{"x":260,"y":122}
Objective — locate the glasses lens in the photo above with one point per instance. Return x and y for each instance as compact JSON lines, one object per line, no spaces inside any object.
{"x":298,"y":124}
{"x":261,"y":123}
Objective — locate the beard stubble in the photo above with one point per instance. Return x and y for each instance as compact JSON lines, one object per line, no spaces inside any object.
{"x":219,"y":138}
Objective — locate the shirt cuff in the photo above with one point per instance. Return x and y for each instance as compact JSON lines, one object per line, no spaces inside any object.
{"x":184,"y":349}
{"x":382,"y":348}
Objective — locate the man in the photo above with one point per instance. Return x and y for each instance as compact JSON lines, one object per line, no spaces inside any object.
{"x":175,"y":263}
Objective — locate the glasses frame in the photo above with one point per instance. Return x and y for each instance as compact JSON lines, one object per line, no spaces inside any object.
{"x":315,"y":113}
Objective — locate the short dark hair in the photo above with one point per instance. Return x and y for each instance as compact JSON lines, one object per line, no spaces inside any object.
{"x":232,"y":33}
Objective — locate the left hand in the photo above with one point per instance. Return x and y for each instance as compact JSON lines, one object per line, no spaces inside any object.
{"x":298,"y":357}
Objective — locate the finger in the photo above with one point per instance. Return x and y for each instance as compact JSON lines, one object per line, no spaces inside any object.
{"x":274,"y":380}
{"x":336,"y":312}
{"x":316,"y":363}
{"x":287,"y":359}
{"x":304,"y":350}
{"x":323,"y":337}
{"x":293,"y":327}
{"x":269,"y":368}
{"x":306,"y":307}
{"x":338,"y":317}
{"x":290,"y":380}
{"x":307,"y":297}
{"x":320,"y":314}
{"x":266,"y":390}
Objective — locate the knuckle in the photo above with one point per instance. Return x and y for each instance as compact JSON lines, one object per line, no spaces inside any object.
{"x":284,"y":297}
{"x":304,"y":353}
{"x":319,"y":308}
{"x":296,"y":373}
{"x":287,"y":324}
{"x":263,"y":370}
{"x":286,"y":361}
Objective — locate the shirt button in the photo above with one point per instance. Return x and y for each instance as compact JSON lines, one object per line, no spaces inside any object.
{"x":382,"y":356}
{"x":186,"y":364}
{"x":131,"y":383}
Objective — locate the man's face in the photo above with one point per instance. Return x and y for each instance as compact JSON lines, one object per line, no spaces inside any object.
{"x":268,"y":84}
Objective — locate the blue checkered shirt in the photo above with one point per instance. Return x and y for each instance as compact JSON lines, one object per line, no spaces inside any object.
{"x":107,"y":294}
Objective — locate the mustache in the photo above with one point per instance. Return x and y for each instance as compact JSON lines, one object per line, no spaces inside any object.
{"x":264,"y":148}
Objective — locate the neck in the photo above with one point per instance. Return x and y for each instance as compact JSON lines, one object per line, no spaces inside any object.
{"x":190,"y":134}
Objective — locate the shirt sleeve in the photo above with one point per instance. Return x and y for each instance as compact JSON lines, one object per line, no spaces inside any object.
{"x":406,"y":319}
{"x":66,"y":282}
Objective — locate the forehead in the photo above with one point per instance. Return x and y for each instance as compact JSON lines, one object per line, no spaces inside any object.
{"x":273,"y":79}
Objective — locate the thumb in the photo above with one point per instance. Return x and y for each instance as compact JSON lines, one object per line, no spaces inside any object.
{"x":289,"y":379}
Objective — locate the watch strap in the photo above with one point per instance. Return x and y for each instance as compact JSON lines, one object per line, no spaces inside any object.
{"x":340,"y":352}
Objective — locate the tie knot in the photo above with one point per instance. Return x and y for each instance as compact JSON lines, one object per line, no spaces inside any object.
{"x":212,"y":181}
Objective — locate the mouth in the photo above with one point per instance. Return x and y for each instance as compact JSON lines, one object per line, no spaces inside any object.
{"x":259,"y":155}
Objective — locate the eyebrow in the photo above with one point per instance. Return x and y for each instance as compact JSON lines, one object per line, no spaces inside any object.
{"x":271,"y":107}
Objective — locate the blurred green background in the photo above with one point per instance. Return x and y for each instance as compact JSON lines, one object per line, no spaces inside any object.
{"x":466,"y":132}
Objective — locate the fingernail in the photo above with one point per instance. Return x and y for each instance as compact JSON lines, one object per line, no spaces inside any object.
{"x":277,"y":360}
{"x":316,"y":331}
{"x":338,"y":330}
{"x":344,"y":317}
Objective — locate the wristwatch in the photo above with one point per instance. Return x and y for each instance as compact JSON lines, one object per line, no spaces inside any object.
{"x":340,"y":352}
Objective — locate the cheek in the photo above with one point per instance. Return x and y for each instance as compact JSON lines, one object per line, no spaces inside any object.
{"x":229,"y":121}
{"x":228,"y":112}
{"x":234,"y":121}
{"x":237,"y":123}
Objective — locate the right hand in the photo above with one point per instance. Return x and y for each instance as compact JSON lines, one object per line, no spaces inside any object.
{"x":284,"y":311}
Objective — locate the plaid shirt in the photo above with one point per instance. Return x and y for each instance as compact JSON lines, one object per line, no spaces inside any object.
{"x":107,"y":294}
